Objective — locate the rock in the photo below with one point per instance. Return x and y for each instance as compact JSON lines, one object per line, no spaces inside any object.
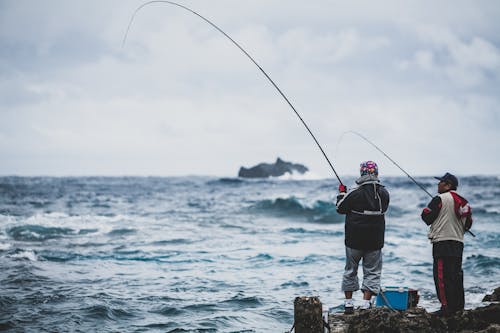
{"x":381,"y":319}
{"x":494,"y":297}
{"x":308,"y":315}
{"x":264,"y":170}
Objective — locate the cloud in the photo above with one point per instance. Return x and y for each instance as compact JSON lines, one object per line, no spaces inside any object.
{"x":466,"y":63}
{"x":181,"y":99}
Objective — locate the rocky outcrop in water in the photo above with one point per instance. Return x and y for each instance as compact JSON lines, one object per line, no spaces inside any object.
{"x":265,"y":170}
{"x":483,"y":319}
{"x":381,"y":319}
{"x":494,"y":297}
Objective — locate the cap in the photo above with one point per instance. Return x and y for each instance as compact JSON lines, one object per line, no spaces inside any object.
{"x":368,"y":168}
{"x":449,"y":178}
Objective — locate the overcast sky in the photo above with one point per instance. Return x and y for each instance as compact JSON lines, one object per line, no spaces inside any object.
{"x":421,"y":79}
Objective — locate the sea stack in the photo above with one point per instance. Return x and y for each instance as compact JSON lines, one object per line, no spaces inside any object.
{"x":277,"y":169}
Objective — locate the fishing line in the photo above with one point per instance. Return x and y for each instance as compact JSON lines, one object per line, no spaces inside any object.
{"x":390,"y":159}
{"x":246,"y":53}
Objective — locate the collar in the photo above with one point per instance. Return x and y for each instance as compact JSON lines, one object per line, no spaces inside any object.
{"x":367,"y":179}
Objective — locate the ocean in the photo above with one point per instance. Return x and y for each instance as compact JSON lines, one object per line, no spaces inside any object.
{"x":207,"y":254}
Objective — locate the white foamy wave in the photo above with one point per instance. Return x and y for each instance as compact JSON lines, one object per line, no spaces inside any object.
{"x":493,"y":210}
{"x":103,"y":224}
{"x":26,"y":254}
{"x":298,"y":176}
{"x":5,"y":246}
{"x":7,"y":219}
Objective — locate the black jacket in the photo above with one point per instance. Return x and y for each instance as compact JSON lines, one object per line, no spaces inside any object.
{"x":364,"y":207}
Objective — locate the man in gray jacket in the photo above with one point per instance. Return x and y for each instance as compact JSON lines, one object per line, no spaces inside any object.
{"x":364,"y":207}
{"x":449,"y":216}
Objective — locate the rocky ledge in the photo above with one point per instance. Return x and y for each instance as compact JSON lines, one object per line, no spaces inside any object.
{"x":482,"y":319}
{"x":494,"y":297}
{"x":265,"y":170}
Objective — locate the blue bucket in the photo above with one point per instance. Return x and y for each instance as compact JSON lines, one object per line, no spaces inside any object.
{"x":398,"y":298}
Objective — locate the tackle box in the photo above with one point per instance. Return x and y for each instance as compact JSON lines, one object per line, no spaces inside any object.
{"x":398,"y":298}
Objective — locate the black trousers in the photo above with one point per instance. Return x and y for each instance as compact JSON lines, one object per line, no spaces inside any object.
{"x":449,"y":281}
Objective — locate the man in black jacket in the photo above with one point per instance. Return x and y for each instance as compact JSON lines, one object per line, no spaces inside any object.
{"x":364,"y":207}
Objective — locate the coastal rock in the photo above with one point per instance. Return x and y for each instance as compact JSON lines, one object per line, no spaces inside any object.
{"x":494,"y":297}
{"x":307,"y":314}
{"x":482,"y":319}
{"x":264,"y":170}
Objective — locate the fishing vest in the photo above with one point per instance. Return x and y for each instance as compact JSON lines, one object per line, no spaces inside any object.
{"x":447,"y":226}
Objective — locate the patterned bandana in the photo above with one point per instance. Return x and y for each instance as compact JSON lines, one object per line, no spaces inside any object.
{"x":368,"y":168}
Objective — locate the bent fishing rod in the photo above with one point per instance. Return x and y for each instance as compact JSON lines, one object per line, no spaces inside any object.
{"x":248,"y":56}
{"x":390,"y":159}
{"x":400,"y":168}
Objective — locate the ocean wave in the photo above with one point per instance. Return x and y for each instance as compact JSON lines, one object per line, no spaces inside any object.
{"x":87,"y":231}
{"x":287,"y":176}
{"x":158,"y":326}
{"x":58,"y":256}
{"x":121,"y":232}
{"x":294,"y":284}
{"x":23,"y":255}
{"x":319,"y":211}
{"x":160,"y":299}
{"x":481,"y":264}
{"x":262,"y":256}
{"x":6,"y":301}
{"x":243,"y":302}
{"x":313,"y":232}
{"x":102,"y":311}
{"x":395,"y":211}
{"x":489,"y":240}
{"x":479,"y":181}
{"x":167,"y":310}
{"x":226,"y":181}
{"x":133,"y":255}
{"x":485,"y":211}
{"x":175,"y":241}
{"x":58,"y":222}
{"x":38,"y":233}
{"x":404,"y":182}
{"x":5,"y":246}
{"x":310,"y":259}
{"x":206,"y":307}
{"x":98,"y":204}
{"x":200,"y":328}
{"x":215,"y":322}
{"x":298,"y":176}
{"x":24,"y":274}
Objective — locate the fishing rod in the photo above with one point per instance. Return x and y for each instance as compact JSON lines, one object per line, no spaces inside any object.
{"x":400,"y":168}
{"x":242,"y":50}
{"x":390,"y":159}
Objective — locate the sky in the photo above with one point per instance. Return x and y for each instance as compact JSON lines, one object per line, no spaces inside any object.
{"x":420,"y":79}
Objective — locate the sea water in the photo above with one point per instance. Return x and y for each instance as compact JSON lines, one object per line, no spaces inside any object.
{"x":205,"y":254}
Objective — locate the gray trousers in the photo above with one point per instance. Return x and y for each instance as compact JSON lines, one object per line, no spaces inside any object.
{"x":372,"y":269}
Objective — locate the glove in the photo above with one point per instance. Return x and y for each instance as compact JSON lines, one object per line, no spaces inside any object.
{"x":342,"y":188}
{"x":468,"y":223}
{"x":435,"y":203}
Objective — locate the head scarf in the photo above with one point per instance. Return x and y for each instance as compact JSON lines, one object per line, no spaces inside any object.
{"x":368,"y":168}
